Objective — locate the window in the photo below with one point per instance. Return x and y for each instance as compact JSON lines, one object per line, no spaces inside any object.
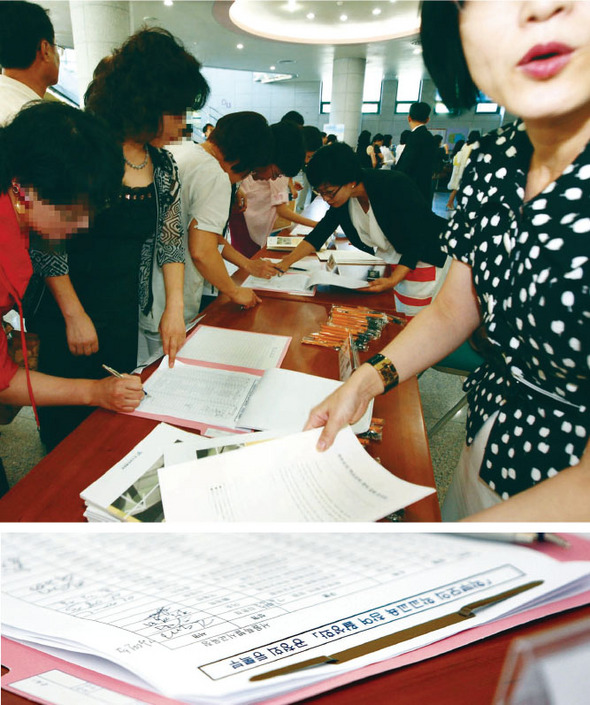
{"x":487,"y":107}
{"x":372,"y":89}
{"x":409,"y":88}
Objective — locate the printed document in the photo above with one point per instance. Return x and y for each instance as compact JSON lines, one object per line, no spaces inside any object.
{"x":196,"y":616}
{"x":286,"y":479}
{"x":302,"y":283}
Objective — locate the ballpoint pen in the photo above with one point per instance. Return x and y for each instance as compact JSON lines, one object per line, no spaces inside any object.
{"x":114,"y":372}
{"x":521,"y":537}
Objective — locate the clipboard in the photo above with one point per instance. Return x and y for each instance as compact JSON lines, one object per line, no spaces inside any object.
{"x":27,"y":662}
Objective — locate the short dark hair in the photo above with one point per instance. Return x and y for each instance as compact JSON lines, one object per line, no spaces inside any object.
{"x":331,"y":138}
{"x":150,"y":75}
{"x":378,"y":137}
{"x":288,"y":147}
{"x":420,"y":111}
{"x":312,"y":138}
{"x":473,"y":136}
{"x":293,"y":116}
{"x":387,"y":140}
{"x":443,"y":56}
{"x":66,"y":155}
{"x":23,"y":26}
{"x":335,"y":164}
{"x":207,"y":126}
{"x":244,"y":137}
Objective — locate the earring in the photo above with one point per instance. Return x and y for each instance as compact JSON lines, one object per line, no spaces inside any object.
{"x":19,"y":198}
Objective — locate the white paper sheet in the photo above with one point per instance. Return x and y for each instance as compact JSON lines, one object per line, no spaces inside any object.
{"x":196,"y":615}
{"x":303,"y":283}
{"x":239,"y":348}
{"x":286,"y":480}
{"x":283,"y":399}
{"x":197,"y":394}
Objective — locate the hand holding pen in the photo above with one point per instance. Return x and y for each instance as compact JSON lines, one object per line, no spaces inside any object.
{"x":127,"y":390}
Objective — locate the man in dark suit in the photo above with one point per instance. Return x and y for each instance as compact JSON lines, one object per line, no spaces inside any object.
{"x":418,"y":158}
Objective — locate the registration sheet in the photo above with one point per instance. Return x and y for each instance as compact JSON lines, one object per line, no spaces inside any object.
{"x":286,"y":479}
{"x":198,"y":616}
{"x":304,"y":284}
{"x":235,"y":348}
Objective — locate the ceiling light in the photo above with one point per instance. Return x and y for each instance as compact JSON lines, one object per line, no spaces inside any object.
{"x":310,"y":16}
{"x":168,"y":3}
{"x":272,"y":68}
{"x":343,"y":18}
{"x":239,"y":46}
{"x":376,"y":11}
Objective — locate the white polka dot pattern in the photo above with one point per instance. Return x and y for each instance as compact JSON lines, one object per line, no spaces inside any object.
{"x":531,"y":271}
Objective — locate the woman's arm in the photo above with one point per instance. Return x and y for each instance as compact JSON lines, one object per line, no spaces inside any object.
{"x":564,"y":497}
{"x":80,"y":330}
{"x":283,"y":211}
{"x":203,"y":248}
{"x":434,"y":333}
{"x":171,"y":327}
{"x":122,"y":394}
{"x":256,"y":267}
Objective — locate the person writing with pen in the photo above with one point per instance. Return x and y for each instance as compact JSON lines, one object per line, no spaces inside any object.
{"x":381,"y":212}
{"x":520,"y":242}
{"x":50,"y":186}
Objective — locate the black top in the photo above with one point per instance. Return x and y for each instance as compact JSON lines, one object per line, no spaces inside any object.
{"x":418,"y":159}
{"x":402,"y":214}
{"x":531,"y":271}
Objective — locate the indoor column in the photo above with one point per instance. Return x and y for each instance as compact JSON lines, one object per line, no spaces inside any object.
{"x":97,"y":28}
{"x":348,"y":78}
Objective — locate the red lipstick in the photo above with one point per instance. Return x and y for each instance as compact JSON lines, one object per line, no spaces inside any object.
{"x":545,"y":60}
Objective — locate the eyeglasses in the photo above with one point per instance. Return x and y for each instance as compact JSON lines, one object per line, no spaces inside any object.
{"x":330,"y":195}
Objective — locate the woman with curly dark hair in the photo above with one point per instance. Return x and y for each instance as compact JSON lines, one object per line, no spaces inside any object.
{"x":102,"y":287}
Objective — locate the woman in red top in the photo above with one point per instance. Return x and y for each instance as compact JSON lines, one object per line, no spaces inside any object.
{"x":57,"y":165}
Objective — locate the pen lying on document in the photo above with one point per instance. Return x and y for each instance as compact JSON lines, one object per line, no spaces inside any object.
{"x":523,"y":537}
{"x":114,"y":372}
{"x":294,"y":269}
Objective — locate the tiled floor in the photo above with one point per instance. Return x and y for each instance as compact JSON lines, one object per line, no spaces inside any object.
{"x":21,"y":449}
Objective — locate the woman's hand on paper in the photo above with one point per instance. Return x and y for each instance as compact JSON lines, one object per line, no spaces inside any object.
{"x":122,"y":394}
{"x":246,"y":298}
{"x":261,"y":268}
{"x":81,"y":334}
{"x":344,"y":406}
{"x":173,"y":333}
{"x":377,"y":285}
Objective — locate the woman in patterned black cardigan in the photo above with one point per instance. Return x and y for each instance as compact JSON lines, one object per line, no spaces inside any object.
{"x":103,"y":283}
{"x":520,"y":243}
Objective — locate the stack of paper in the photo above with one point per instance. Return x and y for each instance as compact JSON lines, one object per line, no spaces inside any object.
{"x":286,"y":480}
{"x":202,"y":617}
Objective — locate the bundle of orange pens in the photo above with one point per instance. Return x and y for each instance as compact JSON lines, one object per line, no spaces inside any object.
{"x":362,"y":323}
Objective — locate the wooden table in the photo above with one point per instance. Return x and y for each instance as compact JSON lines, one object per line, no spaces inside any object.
{"x":50,"y":491}
{"x":466,"y":676}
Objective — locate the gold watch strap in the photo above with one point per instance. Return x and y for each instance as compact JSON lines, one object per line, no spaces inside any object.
{"x":386,"y":370}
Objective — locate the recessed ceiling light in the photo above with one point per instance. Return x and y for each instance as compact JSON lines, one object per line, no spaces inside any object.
{"x":272,"y":68}
{"x":239,"y":46}
{"x":376,"y":11}
{"x":343,"y":18}
{"x":168,"y":3}
{"x":310,"y":16}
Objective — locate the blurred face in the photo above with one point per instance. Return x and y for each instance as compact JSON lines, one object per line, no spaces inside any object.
{"x":52,"y":222}
{"x":266,"y":173}
{"x":533,"y":56}
{"x":171,"y":130}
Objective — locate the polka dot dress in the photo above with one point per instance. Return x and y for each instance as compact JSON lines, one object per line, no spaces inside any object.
{"x":531,"y":271}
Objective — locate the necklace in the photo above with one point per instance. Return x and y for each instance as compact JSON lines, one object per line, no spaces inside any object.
{"x":138,"y":166}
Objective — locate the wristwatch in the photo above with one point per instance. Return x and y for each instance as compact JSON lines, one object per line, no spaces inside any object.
{"x":386,"y":370}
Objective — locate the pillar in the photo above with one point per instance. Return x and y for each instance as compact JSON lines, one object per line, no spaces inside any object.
{"x":348,"y":78}
{"x":97,"y":28}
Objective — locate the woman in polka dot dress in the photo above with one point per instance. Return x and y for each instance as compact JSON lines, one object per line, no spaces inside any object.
{"x":520,"y":243}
